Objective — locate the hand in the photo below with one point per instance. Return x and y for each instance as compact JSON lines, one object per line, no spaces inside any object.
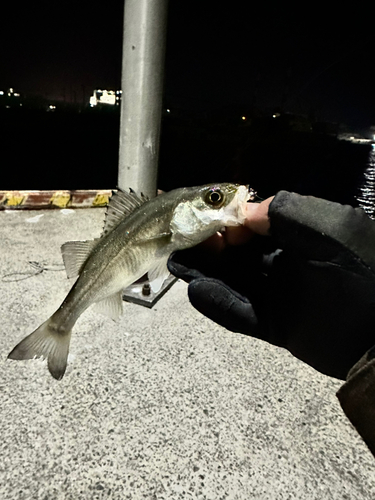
{"x":308,"y":286}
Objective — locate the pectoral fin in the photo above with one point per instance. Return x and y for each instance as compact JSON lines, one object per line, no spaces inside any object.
{"x":157,"y":274}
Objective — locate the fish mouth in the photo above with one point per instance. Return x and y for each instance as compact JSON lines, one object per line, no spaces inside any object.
{"x":235,"y":213}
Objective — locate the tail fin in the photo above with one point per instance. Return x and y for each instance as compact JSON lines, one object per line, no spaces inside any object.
{"x":49,"y":342}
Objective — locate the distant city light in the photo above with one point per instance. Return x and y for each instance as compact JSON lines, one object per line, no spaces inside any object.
{"x":10,"y":93}
{"x":105,"y":97}
{"x":168,"y":110}
{"x":51,"y":107}
{"x":243,"y":118}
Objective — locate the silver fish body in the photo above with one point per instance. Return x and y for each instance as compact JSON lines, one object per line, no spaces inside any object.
{"x":138,"y":237}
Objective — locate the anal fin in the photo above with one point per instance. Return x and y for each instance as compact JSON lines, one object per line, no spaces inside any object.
{"x":110,"y":306}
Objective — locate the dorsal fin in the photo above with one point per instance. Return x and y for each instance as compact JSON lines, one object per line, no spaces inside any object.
{"x":120,"y":205}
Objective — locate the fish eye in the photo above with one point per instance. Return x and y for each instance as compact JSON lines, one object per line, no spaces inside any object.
{"x":214,"y":197}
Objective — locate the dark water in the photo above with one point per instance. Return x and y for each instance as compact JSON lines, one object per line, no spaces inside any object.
{"x":40,"y":150}
{"x":268,"y":157}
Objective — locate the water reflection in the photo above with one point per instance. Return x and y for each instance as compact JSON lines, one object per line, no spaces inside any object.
{"x":366,"y":196}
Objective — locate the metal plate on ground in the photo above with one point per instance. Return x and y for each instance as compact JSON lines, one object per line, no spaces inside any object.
{"x":133,"y":293}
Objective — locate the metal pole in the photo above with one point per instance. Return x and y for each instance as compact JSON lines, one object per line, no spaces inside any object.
{"x":142,"y":89}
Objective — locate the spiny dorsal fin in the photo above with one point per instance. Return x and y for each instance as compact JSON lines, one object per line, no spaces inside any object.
{"x":120,"y":205}
{"x":75,"y":254}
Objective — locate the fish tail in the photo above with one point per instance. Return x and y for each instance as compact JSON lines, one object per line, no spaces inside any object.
{"x":48,"y":341}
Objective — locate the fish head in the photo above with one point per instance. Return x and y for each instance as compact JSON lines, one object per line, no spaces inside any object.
{"x":207,"y":209}
{"x":224,"y":203}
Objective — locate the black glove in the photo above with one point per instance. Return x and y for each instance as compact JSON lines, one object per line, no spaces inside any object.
{"x":308,"y":287}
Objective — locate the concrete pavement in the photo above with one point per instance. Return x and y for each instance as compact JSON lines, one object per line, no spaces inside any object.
{"x":161,"y":405}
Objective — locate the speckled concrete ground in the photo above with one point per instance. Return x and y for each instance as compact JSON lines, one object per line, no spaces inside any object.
{"x":160,"y":405}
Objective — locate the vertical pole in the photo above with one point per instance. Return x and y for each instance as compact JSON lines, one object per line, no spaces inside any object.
{"x":145,"y":24}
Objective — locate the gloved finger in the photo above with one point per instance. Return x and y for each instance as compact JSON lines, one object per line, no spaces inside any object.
{"x":235,"y":265}
{"x":190,"y":264}
{"x":224,"y":306}
{"x":184,"y":264}
{"x":201,"y":261}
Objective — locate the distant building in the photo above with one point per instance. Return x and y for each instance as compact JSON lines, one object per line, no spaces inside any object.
{"x":105,"y":97}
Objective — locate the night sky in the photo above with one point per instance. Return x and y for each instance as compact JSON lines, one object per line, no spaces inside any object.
{"x":219,"y":54}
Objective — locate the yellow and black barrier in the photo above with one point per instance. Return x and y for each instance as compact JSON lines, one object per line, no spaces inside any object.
{"x":89,"y":198}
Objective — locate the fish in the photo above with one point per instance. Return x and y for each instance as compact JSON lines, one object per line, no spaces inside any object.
{"x":138,"y":237}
